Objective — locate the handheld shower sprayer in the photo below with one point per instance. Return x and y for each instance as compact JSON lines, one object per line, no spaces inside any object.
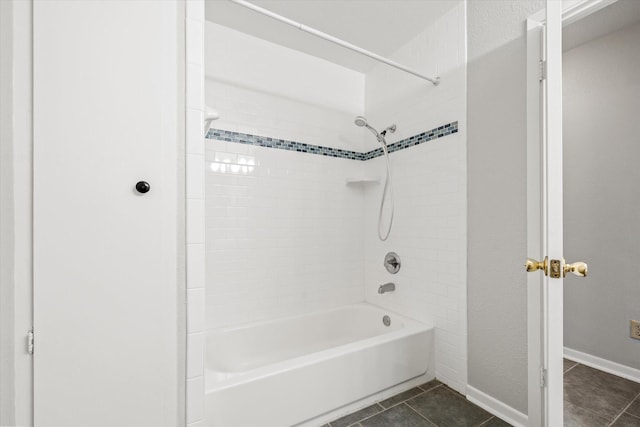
{"x":362,"y":122}
{"x":380,"y":136}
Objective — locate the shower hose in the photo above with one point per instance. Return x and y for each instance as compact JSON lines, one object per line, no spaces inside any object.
{"x":387,"y":190}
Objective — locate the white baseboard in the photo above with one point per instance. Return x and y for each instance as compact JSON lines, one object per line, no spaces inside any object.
{"x":603,"y":364}
{"x":496,"y":407}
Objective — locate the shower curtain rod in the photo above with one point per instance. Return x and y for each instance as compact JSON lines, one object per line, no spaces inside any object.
{"x":335,"y":40}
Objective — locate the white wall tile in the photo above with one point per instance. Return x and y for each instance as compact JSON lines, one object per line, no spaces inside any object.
{"x":195,"y":88}
{"x":429,"y":182}
{"x":195,"y":176}
{"x":195,"y":399}
{"x":284,"y":236}
{"x":195,"y":131}
{"x":196,"y":302}
{"x":195,"y":354}
{"x":195,"y":221}
{"x":196,"y":313}
{"x":291,"y":95}
{"x":195,"y":42}
{"x":195,"y":266}
{"x":195,"y":10}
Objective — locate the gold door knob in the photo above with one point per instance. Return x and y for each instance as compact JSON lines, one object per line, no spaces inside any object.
{"x":535,"y":265}
{"x":578,"y":268}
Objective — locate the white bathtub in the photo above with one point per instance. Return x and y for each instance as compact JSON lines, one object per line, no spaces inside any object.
{"x":289,"y":371}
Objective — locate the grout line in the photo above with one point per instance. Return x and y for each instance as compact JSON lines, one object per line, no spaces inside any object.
{"x":403,"y":401}
{"x":625,"y":409}
{"x":486,"y":422}
{"x":370,"y":416}
{"x":491,"y":416}
{"x":380,"y":410}
{"x":464,"y":398}
{"x":576,"y":364}
{"x":590,"y":411}
{"x":429,"y":389}
{"x":419,"y":414}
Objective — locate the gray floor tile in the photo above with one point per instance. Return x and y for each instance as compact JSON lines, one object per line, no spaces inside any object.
{"x":634,"y":409}
{"x":445,"y":407}
{"x":496,"y":422}
{"x":568,"y":364}
{"x":398,"y":416}
{"x":576,"y":416}
{"x":626,"y":420}
{"x":429,"y":385}
{"x":349,"y":419}
{"x":394,"y":400}
{"x":601,"y":393}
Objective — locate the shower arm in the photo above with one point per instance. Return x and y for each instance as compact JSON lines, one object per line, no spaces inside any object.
{"x":332,"y":39}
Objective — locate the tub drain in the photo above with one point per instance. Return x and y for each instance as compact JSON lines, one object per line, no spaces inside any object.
{"x":386,"y":320}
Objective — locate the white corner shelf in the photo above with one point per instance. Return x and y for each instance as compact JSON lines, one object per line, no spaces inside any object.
{"x":361,"y":180}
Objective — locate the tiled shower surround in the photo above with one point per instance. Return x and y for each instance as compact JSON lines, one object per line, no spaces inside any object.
{"x":286,"y":234}
{"x":283,"y":232}
{"x":430,"y":187}
{"x":284,"y":229}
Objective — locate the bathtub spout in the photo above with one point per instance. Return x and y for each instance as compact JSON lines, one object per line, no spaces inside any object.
{"x":387,"y":287}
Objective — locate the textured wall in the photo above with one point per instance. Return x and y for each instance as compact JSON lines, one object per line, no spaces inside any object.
{"x":497,"y":306}
{"x":7,"y":416}
{"x":601,"y":102}
{"x":21,"y":181}
{"x":429,"y":183}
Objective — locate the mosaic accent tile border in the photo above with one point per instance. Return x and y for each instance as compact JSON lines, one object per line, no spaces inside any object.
{"x":283,"y":144}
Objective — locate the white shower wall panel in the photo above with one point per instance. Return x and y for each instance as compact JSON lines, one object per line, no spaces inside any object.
{"x":262,"y":88}
{"x":284,"y":233}
{"x":429,"y":183}
{"x":256,"y":112}
{"x":429,"y":234}
{"x":414,"y":104}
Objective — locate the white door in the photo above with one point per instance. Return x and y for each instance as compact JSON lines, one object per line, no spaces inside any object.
{"x":544,"y":218}
{"x":547,"y":266}
{"x":552,"y":232}
{"x":105,"y":255}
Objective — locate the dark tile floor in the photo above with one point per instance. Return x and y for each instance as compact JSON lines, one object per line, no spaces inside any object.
{"x":592,"y":398}
{"x":431,"y":404}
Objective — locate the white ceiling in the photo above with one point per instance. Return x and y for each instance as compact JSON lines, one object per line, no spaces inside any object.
{"x":606,"y":20}
{"x":381,"y":26}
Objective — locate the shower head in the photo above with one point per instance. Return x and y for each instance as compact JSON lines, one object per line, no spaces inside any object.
{"x":360,"y":121}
